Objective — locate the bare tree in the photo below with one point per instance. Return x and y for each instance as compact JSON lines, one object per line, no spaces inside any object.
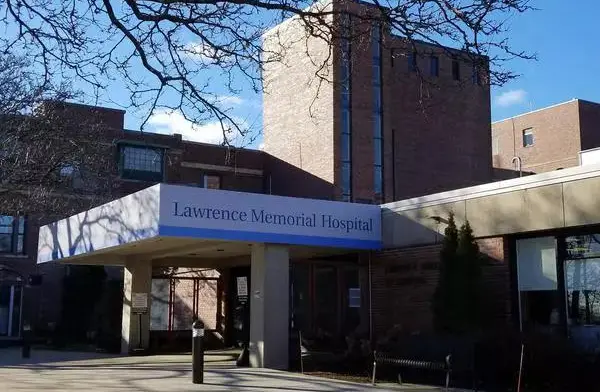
{"x":187,"y":48}
{"x":50,"y":160}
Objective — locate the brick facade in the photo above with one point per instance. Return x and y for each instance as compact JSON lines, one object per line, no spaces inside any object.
{"x":421,"y":114}
{"x":184,"y":163}
{"x":437,"y":128}
{"x":404,"y":282}
{"x":297,"y":100}
{"x":560,"y":132}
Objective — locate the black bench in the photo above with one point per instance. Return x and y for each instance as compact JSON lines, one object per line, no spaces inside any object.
{"x":444,"y":355}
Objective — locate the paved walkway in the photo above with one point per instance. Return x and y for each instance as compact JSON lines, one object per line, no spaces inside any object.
{"x":50,"y":371}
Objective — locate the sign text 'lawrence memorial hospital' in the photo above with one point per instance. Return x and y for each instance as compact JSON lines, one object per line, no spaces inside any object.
{"x":263,"y":216}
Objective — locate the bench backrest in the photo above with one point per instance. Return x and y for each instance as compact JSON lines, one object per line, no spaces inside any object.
{"x":432,"y":348}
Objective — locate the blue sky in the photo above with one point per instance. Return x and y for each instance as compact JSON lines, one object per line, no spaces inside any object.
{"x":562,"y":34}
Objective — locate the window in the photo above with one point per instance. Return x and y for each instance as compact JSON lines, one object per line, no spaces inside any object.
{"x":345,"y":144}
{"x":71,"y":175}
{"x":12,"y":234}
{"x":346,"y":113}
{"x":354,"y":297}
{"x":141,"y":163}
{"x":346,"y":181}
{"x":212,"y":182}
{"x":538,"y":284}
{"x":434,"y":66}
{"x":412,"y":62}
{"x":455,"y":70}
{"x":376,"y":98}
{"x":582,"y":287}
{"x":528,"y":137}
{"x":377,"y":112}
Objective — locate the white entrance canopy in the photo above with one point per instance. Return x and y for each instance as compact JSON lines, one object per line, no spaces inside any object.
{"x":168,"y":225}
{"x":170,"y":213}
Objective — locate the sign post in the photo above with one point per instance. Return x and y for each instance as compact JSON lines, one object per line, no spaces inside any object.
{"x":139,"y":306}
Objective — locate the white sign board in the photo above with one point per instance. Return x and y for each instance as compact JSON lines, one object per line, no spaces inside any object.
{"x":181,"y":211}
{"x":139,"y":300}
{"x":242,"y":286}
{"x":217,"y":214}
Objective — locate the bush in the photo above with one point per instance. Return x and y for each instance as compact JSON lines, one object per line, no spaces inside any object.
{"x":458,"y":299}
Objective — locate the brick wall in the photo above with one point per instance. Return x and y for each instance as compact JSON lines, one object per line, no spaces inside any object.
{"x":437,"y":129}
{"x":436,"y":132}
{"x":297,"y":105}
{"x":556,"y":133}
{"x":239,"y":169}
{"x":404,"y":282}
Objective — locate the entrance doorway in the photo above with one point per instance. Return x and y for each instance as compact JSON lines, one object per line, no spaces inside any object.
{"x":238,"y":324}
{"x":11,"y":297}
{"x":178,"y":299}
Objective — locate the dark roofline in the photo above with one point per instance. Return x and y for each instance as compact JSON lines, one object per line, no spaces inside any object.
{"x":439,"y":46}
{"x":421,"y":42}
{"x":588,"y":101}
{"x":173,"y":136}
{"x":82,"y":105}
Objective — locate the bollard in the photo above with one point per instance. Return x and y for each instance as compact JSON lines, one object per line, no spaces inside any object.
{"x":198,"y":352}
{"x":26,"y":350}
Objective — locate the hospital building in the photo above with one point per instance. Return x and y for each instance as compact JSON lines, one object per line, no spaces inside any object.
{"x":334,"y":228}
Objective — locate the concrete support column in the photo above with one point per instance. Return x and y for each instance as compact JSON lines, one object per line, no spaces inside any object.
{"x":137,"y":278}
{"x":269,"y":306}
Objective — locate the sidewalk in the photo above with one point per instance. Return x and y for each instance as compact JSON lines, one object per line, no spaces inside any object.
{"x":69,"y":371}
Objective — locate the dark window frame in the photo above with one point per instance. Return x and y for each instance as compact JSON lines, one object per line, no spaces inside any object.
{"x":215,"y":175}
{"x":455,"y":70}
{"x":378,"y":185}
{"x":138,"y":174}
{"x":434,"y":66}
{"x":528,"y":134}
{"x":346,"y":112}
{"x":15,"y":234}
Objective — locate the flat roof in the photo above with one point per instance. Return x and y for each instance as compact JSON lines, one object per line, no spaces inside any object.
{"x":538,"y":110}
{"x":498,"y":187}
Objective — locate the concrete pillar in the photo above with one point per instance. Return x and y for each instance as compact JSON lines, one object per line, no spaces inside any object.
{"x":137,"y":278}
{"x":269,"y":306}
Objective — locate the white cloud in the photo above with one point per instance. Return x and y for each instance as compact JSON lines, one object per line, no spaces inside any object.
{"x":170,"y":122}
{"x":200,"y":50}
{"x":204,"y":53}
{"x":511,"y":97}
{"x":230,"y":100}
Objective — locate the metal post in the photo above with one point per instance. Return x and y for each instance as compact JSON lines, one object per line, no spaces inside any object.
{"x":520,"y":368}
{"x":198,"y":352}
{"x":26,"y":350}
